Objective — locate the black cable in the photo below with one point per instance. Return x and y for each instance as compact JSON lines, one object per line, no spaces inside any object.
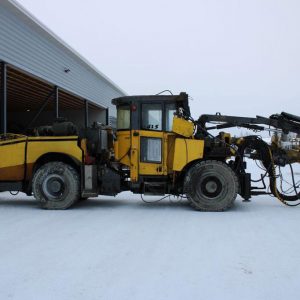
{"x":154,"y":201}
{"x":124,"y":155}
{"x":261,"y":178}
{"x":17,"y":192}
{"x":165,"y":91}
{"x":293,"y":179}
{"x":292,"y":187}
{"x":169,"y":195}
{"x":288,"y":204}
{"x":259,"y":166}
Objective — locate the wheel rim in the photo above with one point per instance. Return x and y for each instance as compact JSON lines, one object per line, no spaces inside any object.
{"x":211,"y":186}
{"x":53,"y":187}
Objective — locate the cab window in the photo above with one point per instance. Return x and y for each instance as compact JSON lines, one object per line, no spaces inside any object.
{"x":152,"y":116}
{"x":151,"y":150}
{"x":123,"y":117}
{"x":170,"y":110}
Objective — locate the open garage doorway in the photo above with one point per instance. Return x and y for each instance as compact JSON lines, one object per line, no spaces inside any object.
{"x":28,"y":102}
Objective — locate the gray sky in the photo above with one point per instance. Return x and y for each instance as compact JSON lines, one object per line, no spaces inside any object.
{"x":234,"y":57}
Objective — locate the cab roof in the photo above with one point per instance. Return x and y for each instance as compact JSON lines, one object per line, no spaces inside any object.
{"x":182,"y":97}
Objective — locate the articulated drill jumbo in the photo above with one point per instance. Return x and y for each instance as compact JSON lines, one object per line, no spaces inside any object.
{"x":156,"y":149}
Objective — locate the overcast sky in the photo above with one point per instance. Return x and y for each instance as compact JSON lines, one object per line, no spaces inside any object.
{"x":234,"y":57}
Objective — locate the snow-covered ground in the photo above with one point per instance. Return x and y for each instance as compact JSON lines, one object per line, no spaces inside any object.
{"x":122,"y":248}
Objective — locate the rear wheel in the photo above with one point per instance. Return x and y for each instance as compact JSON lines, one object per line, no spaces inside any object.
{"x":211,"y":186}
{"x":56,"y":185}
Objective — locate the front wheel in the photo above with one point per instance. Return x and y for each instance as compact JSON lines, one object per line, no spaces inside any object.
{"x":211,"y":186}
{"x":56,"y":185}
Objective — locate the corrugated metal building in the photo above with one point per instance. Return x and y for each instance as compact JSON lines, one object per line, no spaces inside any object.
{"x":40,"y":73}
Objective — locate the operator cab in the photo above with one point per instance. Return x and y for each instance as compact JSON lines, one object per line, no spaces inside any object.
{"x":149,"y":112}
{"x":145,"y":141}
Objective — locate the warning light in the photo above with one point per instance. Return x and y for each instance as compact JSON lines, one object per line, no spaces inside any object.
{"x":133,"y":107}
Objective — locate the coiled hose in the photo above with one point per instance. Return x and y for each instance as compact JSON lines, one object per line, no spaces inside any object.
{"x":266,"y":157}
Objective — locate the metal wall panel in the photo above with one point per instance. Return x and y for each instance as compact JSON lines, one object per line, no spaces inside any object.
{"x":28,"y":46}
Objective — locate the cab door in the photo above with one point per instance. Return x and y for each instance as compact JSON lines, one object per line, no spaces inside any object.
{"x":151,"y":153}
{"x":151,"y":126}
{"x":152,"y":140}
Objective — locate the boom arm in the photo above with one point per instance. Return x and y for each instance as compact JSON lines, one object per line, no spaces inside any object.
{"x":284,"y":121}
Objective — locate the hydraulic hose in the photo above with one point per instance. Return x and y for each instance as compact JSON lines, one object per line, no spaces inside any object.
{"x":266,"y":157}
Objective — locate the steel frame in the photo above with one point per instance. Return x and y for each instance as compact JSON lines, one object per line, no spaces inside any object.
{"x":3,"y":98}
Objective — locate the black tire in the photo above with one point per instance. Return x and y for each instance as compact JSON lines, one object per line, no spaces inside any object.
{"x":56,"y":185}
{"x":211,"y":186}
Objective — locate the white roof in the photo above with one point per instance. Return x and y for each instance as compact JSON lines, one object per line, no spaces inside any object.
{"x":32,"y":21}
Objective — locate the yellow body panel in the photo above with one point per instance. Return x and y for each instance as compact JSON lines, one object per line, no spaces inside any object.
{"x":37,"y":146}
{"x":122,"y":147}
{"x":183,"y":127}
{"x":13,"y":151}
{"x":127,"y":151}
{"x":187,"y":150}
{"x":12,"y":158}
{"x":169,"y":152}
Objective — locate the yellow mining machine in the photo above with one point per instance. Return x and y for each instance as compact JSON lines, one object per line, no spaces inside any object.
{"x":156,"y":149}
